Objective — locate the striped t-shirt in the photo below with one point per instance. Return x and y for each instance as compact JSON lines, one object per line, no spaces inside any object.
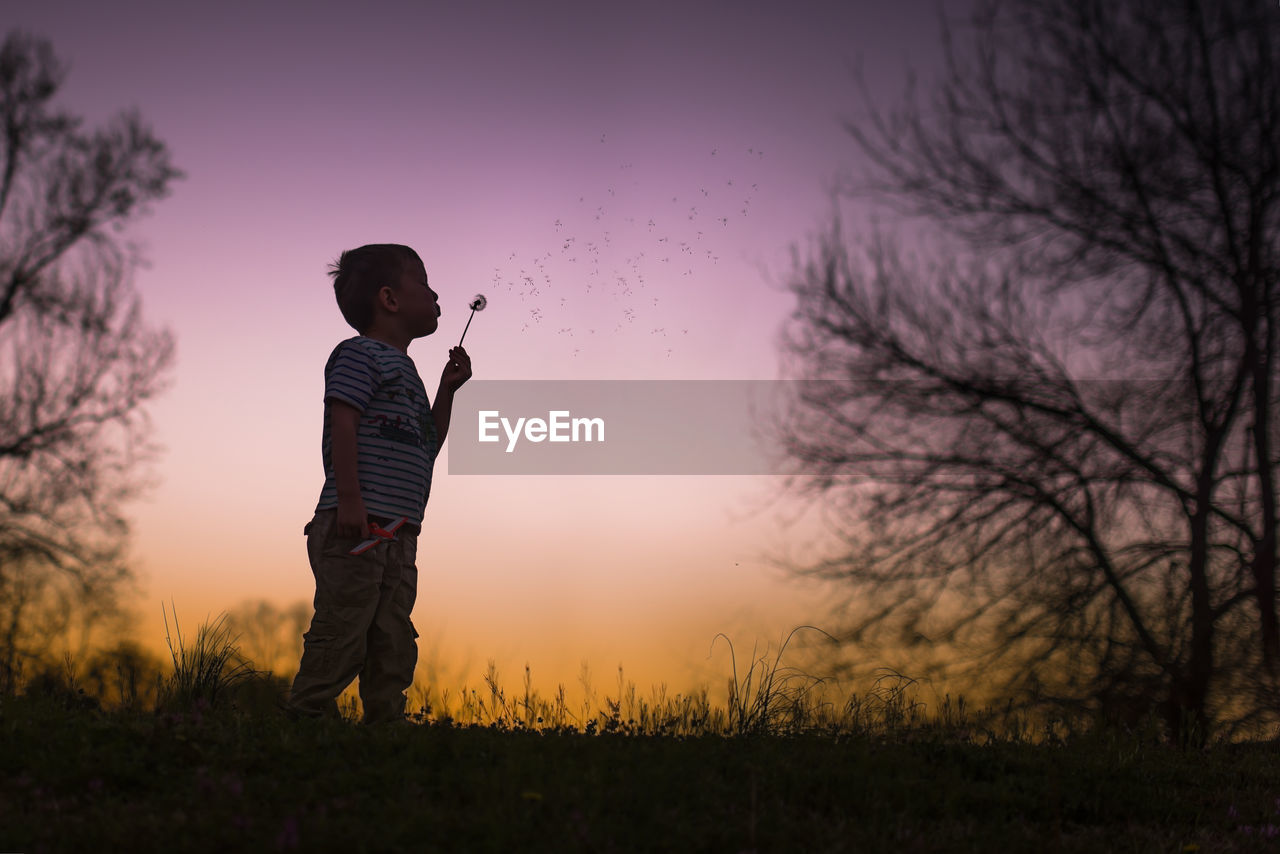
{"x":395,"y":438}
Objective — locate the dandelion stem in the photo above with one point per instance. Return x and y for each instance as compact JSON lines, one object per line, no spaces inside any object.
{"x":477,"y":304}
{"x":468,"y":326}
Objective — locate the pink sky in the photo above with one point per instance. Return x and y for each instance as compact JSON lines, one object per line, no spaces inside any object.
{"x":503,"y":141}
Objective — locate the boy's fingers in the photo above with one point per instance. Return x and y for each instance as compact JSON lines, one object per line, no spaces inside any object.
{"x":353,"y":529}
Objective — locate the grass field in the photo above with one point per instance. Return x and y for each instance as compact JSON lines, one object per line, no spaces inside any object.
{"x":211,"y":765}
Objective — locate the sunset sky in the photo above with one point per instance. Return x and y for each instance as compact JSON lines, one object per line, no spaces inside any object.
{"x":625,"y":184}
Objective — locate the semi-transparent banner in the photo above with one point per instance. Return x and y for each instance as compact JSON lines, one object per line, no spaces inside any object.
{"x":905,"y":431}
{"x":613,"y":427}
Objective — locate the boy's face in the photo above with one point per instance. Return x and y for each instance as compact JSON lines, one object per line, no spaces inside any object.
{"x":419,"y":304}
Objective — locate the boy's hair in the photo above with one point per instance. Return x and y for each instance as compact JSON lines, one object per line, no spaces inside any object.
{"x":359,"y":274}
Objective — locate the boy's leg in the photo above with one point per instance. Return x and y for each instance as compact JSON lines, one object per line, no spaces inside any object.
{"x":347,"y":591}
{"x":392,"y":646}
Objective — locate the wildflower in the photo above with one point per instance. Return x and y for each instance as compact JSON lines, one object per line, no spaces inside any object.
{"x":288,"y":838}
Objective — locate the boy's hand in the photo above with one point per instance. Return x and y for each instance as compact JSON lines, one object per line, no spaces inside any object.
{"x":457,"y":371}
{"x":352,"y":521}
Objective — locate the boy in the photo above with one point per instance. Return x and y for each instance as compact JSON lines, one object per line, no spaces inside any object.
{"x":380,"y":440}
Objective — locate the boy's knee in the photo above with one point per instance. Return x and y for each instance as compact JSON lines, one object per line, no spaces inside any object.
{"x":337,"y":624}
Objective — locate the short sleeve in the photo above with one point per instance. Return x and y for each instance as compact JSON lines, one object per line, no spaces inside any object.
{"x":351,"y":376}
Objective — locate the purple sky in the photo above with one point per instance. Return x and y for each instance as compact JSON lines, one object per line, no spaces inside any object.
{"x":624,"y":183}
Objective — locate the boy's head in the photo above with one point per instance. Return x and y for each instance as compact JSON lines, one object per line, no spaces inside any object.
{"x":359,"y":276}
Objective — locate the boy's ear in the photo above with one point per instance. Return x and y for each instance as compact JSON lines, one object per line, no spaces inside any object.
{"x":387,"y":298}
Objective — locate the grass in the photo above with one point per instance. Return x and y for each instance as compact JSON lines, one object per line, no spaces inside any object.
{"x":214,"y":767}
{"x":205,"y":669}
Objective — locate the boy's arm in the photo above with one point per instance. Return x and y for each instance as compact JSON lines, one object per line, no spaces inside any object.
{"x":353,"y":520}
{"x":456,"y":372}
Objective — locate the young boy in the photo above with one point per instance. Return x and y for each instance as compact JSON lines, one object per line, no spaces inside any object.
{"x":380,"y":440}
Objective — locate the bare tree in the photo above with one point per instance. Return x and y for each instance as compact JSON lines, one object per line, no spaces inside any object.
{"x":78,"y":362}
{"x":1065,"y":435}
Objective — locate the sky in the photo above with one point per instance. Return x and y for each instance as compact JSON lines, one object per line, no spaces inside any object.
{"x":625,"y":184}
